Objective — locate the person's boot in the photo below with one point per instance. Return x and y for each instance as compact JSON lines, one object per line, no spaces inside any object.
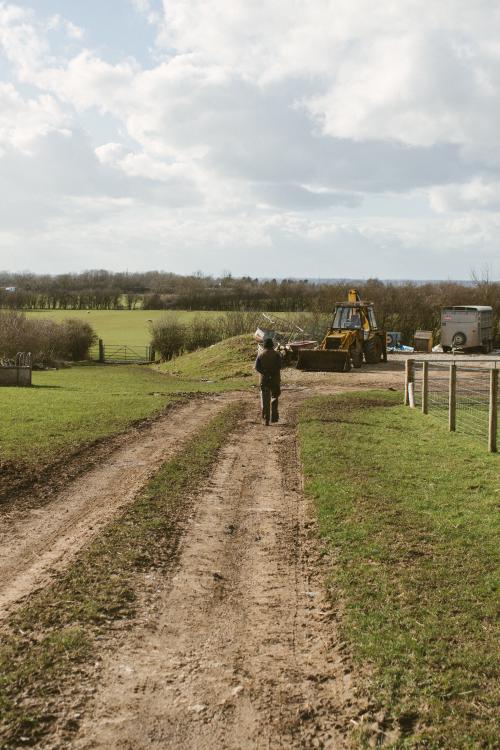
{"x":274,"y":412}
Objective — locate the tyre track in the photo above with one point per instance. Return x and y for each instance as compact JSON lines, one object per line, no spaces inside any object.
{"x":39,"y":541}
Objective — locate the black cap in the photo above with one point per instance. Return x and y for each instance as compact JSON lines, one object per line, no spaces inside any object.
{"x":268,"y":344}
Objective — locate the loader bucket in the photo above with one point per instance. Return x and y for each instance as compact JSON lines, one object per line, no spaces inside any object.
{"x":324,"y":360}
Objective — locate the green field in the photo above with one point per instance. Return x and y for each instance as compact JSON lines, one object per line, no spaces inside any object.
{"x":409,"y":513}
{"x":129,"y":327}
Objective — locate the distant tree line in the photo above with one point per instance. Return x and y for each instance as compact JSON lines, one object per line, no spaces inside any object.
{"x":400,"y":306}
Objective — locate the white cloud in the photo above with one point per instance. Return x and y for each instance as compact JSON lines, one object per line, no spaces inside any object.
{"x":110,"y":153}
{"x":57,"y":22}
{"x":23,"y":120}
{"x":87,"y":81}
{"x":473,"y":195}
{"x":20,"y":40}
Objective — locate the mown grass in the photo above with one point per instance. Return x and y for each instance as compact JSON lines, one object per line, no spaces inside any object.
{"x":410,"y":513}
{"x":72,"y":407}
{"x":54,"y":638}
{"x":229,"y":363}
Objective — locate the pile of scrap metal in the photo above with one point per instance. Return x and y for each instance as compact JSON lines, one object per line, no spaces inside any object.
{"x":289,"y":339}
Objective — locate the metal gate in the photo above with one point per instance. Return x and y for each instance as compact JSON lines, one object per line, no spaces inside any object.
{"x":123,"y":354}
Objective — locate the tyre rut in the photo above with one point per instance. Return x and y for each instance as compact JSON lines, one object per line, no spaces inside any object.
{"x":36,"y":542}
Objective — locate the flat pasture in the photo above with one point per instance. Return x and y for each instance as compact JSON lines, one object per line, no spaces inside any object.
{"x":130,"y":327}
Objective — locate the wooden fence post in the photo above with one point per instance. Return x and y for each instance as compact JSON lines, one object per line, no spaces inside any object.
{"x":452,"y":402}
{"x":493,"y":421}
{"x":425,"y":387}
{"x":408,"y":380}
{"x":101,"y":350}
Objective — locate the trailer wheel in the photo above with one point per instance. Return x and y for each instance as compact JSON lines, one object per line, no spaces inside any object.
{"x":459,"y":339}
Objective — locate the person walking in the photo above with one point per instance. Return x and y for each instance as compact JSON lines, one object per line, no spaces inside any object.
{"x":268,"y":365}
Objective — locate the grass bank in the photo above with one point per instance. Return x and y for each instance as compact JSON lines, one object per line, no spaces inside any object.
{"x":410,"y":514}
{"x":228,"y":363}
{"x":54,"y":639}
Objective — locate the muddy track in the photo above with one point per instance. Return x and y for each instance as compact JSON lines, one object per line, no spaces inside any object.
{"x":37,"y":540}
{"x":239,"y":647}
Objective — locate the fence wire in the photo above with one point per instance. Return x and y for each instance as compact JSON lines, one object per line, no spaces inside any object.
{"x":472,"y":395}
{"x":473,"y":390}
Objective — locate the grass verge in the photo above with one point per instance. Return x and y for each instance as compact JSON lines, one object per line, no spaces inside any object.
{"x":55,"y":636}
{"x":72,"y":407}
{"x":410,"y":513}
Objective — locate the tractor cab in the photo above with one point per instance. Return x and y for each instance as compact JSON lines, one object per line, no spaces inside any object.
{"x":354,"y":316}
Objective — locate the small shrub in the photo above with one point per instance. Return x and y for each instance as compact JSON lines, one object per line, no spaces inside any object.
{"x":203,"y":331}
{"x":75,"y":339}
{"x":237,"y":323}
{"x":168,"y":336}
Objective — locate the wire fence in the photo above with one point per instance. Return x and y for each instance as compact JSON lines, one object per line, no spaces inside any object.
{"x":464,"y":395}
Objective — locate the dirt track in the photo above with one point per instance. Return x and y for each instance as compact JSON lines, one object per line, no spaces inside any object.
{"x":238,"y":647}
{"x":236,"y":654}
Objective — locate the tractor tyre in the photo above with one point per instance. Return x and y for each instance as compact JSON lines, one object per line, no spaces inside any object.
{"x":373,"y":351}
{"x":356,"y":357}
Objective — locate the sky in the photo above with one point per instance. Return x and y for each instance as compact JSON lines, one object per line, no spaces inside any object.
{"x":280,"y":138}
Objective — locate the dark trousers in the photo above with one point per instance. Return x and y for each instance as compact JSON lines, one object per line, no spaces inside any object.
{"x":269,"y":403}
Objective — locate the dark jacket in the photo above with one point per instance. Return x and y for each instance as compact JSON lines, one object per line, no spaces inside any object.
{"x":268,"y":365}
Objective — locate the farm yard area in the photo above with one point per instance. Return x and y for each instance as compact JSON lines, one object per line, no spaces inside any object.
{"x":175,"y":574}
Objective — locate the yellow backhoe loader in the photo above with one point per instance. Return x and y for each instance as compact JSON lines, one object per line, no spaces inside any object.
{"x":353,"y":335}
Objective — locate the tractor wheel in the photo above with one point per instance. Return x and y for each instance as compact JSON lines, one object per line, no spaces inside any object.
{"x":356,"y":357}
{"x":373,"y":351}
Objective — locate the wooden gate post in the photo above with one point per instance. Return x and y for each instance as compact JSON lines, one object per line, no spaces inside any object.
{"x":425,"y":387}
{"x":493,"y":421}
{"x":452,"y":402}
{"x":408,"y":380}
{"x":101,"y":350}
